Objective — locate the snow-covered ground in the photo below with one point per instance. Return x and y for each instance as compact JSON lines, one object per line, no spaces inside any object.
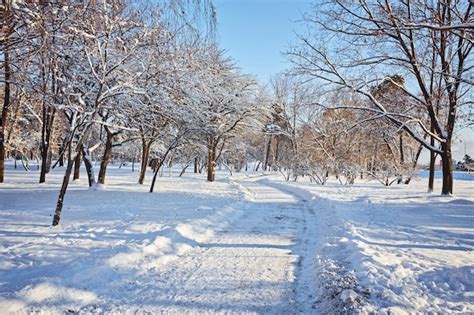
{"x":238,"y":245}
{"x":395,"y":249}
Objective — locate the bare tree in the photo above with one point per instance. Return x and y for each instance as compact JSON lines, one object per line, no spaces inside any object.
{"x":428,"y":42}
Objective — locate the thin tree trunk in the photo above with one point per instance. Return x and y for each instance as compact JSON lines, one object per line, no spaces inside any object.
{"x":415,"y":162}
{"x":277,"y":150}
{"x":184,"y":168}
{"x":3,"y":118}
{"x":211,"y":160}
{"x":258,"y":166}
{"x":196,"y":165}
{"x":77,"y":165}
{"x":46,"y":132}
{"x":89,"y":166}
{"x":267,"y":153}
{"x":402,"y":160}
{"x":432,"y":166}
{"x":160,"y":164}
{"x":106,"y":157}
{"x":62,"y":192}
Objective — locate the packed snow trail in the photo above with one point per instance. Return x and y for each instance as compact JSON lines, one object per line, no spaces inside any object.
{"x":250,"y":267}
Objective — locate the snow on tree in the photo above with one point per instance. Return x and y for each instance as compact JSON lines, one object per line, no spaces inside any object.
{"x":429,"y":43}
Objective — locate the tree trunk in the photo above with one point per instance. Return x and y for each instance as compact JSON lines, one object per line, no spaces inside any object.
{"x":184,"y":169}
{"x":145,"y":156}
{"x":47,"y":129}
{"x":158,"y":167}
{"x":77,"y":166}
{"x":62,"y":192}
{"x":211,"y":160}
{"x":432,"y":167}
{"x":415,"y":162}
{"x":267,"y":154}
{"x":3,"y":118}
{"x":402,"y":160}
{"x":196,"y":165}
{"x":258,"y":166}
{"x":106,"y":157}
{"x":89,"y":166}
{"x":447,"y":163}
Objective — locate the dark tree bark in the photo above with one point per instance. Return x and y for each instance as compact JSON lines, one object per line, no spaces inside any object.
{"x":184,"y":168}
{"x":196,"y":165}
{"x":62,"y":192}
{"x":432,"y":164}
{"x":160,"y":164}
{"x":89,"y":166}
{"x":447,"y":166}
{"x":77,"y":165}
{"x":211,"y":160}
{"x":258,"y":166}
{"x":146,"y":146}
{"x":402,"y":159}
{"x":3,"y":118}
{"x":267,"y":154}
{"x":106,"y":156}
{"x":46,"y":132}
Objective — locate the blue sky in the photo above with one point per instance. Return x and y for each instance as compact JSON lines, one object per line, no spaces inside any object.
{"x":255,"y":32}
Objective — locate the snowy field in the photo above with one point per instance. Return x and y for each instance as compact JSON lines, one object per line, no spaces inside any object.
{"x":238,"y":245}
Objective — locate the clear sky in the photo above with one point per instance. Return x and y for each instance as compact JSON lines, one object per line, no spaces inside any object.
{"x":255,"y":33}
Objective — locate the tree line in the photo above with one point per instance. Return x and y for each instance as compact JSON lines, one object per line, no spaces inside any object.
{"x":371,"y":85}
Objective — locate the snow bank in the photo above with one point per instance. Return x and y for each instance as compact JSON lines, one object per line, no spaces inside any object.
{"x":395,"y":250}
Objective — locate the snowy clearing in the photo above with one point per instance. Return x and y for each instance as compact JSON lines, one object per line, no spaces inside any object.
{"x":241,"y":245}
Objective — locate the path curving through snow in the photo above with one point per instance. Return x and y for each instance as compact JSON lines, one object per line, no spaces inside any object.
{"x":233,"y":246}
{"x":254,"y":265}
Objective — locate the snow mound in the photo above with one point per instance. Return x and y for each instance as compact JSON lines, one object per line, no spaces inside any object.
{"x":50,"y":292}
{"x":193,"y":232}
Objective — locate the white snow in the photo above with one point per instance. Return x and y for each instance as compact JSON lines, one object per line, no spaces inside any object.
{"x":247,"y":244}
{"x":401,"y":249}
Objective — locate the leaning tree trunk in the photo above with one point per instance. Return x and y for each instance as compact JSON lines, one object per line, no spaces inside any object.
{"x":211,"y":160}
{"x":415,"y":163}
{"x":106,"y":157}
{"x":67,"y":174}
{"x":77,"y":165}
{"x":62,"y":192}
{"x":158,"y":167}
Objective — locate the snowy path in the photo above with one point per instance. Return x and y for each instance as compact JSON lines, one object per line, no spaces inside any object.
{"x":255,"y":245}
{"x":251,"y":266}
